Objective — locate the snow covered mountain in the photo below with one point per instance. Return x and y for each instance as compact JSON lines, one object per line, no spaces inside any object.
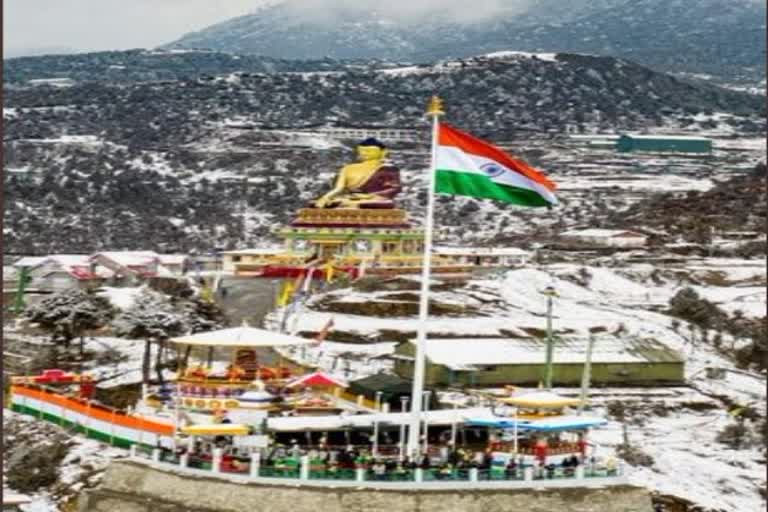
{"x":725,"y":38}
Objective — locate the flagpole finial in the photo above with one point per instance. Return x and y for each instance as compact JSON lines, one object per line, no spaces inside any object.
{"x":435,"y":107}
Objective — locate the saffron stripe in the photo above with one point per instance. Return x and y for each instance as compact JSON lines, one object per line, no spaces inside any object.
{"x":132,"y":422}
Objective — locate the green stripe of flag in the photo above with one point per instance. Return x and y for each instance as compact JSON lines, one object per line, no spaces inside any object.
{"x":476,"y":185}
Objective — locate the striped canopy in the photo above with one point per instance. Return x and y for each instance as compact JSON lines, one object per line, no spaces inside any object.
{"x":555,"y":424}
{"x":222,"y":429}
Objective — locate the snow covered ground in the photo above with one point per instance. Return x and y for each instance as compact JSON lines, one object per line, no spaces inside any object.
{"x":679,"y":432}
{"x":82,"y":466}
{"x":677,"y":426}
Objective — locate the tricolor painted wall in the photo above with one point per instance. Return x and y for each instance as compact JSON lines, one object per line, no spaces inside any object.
{"x":113,"y":427}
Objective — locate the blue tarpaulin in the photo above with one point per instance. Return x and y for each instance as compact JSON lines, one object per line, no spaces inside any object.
{"x":543,"y":425}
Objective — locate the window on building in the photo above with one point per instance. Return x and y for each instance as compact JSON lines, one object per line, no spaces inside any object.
{"x":236,"y":259}
{"x":391,"y":247}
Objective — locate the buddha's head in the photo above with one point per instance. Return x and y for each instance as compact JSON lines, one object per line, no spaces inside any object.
{"x":371,"y":149}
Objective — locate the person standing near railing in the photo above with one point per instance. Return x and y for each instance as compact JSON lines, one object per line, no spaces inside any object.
{"x":583,"y":445}
{"x":511,"y":469}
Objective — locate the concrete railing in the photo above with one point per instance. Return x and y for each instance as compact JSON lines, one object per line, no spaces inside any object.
{"x":306,"y":474}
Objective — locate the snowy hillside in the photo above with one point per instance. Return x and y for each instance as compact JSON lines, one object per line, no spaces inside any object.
{"x":681,"y":429}
{"x":218,"y":162}
{"x":147,"y":65}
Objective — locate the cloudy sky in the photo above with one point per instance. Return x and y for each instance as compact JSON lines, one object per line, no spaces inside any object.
{"x":35,"y":26}
{"x":89,"y":25}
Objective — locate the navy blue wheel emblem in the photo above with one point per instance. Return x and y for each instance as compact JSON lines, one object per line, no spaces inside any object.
{"x":492,"y":169}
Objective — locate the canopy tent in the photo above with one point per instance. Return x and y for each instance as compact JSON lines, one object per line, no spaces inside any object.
{"x":554,"y":424}
{"x":324,"y":423}
{"x":223,"y":429}
{"x":317,"y":379}
{"x":243,"y":336}
{"x":540,"y":399}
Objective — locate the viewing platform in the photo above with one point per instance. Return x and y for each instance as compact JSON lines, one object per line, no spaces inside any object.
{"x":304,"y":471}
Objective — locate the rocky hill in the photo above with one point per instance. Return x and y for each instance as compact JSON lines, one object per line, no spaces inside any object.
{"x":736,"y":204}
{"x":725,"y":38}
{"x":168,"y":165}
{"x":148,"y":65}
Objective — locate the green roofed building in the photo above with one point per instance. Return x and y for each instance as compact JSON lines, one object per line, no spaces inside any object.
{"x":663,"y":144}
{"x":501,"y":361}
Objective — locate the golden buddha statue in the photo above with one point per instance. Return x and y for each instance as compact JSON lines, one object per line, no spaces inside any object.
{"x":370,"y":183}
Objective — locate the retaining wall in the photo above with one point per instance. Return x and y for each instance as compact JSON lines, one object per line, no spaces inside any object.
{"x":132,"y":487}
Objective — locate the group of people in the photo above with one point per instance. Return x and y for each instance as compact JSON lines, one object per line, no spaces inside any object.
{"x":444,"y":460}
{"x":449,"y":464}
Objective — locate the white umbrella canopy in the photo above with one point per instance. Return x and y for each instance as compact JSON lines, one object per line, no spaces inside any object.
{"x":243,"y":336}
{"x":540,"y":398}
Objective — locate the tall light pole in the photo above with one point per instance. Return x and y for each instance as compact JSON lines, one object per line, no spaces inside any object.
{"x":425,"y":401}
{"x":536,"y":246}
{"x":403,"y":409}
{"x":245,"y":211}
{"x":376,"y":425}
{"x":585,"y":376}
{"x":454,"y":426}
{"x":516,"y":431}
{"x":550,"y":293}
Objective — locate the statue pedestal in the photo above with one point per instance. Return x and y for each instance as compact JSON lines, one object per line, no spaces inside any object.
{"x":351,"y":218}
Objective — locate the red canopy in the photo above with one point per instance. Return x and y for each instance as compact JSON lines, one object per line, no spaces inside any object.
{"x":317,"y":379}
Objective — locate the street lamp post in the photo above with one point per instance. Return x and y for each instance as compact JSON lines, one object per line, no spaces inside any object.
{"x":516,"y":431}
{"x":425,"y":401}
{"x":536,"y":246}
{"x":375,"y":449}
{"x":404,"y":408}
{"x":454,"y":427}
{"x":550,"y":293}
{"x":586,"y":374}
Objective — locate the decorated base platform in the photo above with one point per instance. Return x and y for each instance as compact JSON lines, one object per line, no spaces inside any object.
{"x":352,"y":240}
{"x":351,"y":217}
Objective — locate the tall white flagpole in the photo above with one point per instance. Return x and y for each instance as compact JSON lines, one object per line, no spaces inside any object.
{"x":435,"y":110}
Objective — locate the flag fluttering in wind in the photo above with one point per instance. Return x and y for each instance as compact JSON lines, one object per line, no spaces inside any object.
{"x":324,"y":332}
{"x":468,"y":166}
{"x":286,"y":293}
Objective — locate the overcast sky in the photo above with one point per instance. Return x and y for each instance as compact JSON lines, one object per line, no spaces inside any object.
{"x":91,"y":25}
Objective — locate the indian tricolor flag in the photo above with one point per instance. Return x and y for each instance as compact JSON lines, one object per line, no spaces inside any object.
{"x":468,"y":166}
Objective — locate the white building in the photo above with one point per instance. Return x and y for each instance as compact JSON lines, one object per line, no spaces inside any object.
{"x":131,"y":265}
{"x":173,"y":264}
{"x":10,"y":278}
{"x":53,"y":82}
{"x":248,"y":257}
{"x":29,"y":262}
{"x":501,"y":361}
{"x":484,"y":256}
{"x":606,"y":237}
{"x":59,"y":272}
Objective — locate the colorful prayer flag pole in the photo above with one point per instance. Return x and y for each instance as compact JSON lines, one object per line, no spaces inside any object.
{"x":324,"y":332}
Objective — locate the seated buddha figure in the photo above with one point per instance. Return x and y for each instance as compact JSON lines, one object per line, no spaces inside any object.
{"x":370,"y":183}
